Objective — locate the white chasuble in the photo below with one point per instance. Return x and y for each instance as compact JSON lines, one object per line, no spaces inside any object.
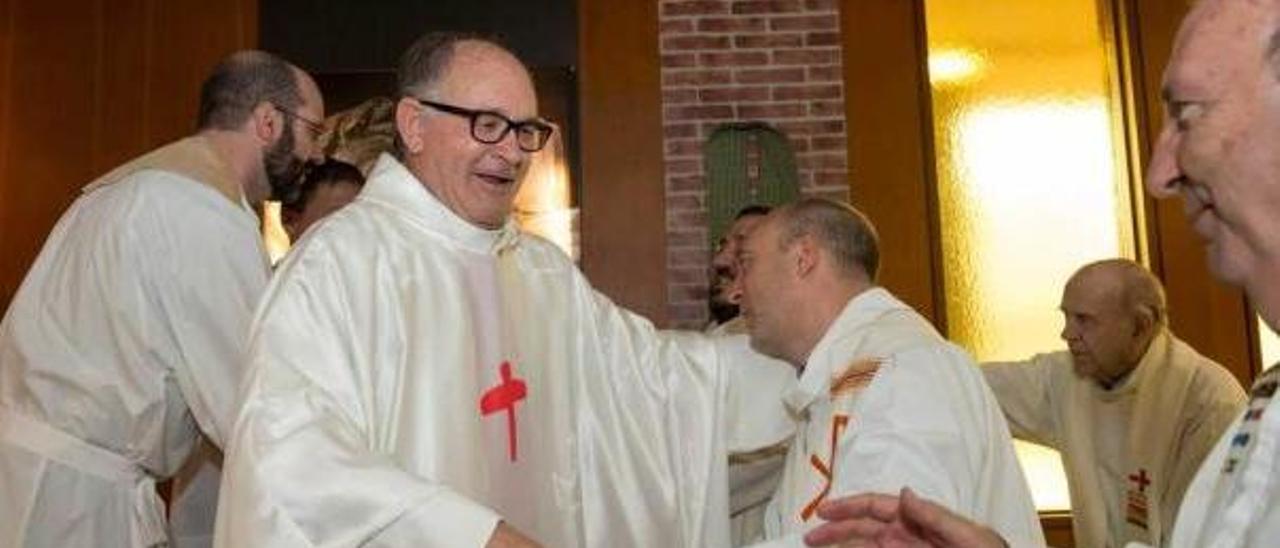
{"x":887,"y":403}
{"x":414,"y":379}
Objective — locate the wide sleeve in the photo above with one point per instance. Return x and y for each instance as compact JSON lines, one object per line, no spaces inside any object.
{"x":304,"y":467}
{"x":1026,"y":395}
{"x":209,"y":271}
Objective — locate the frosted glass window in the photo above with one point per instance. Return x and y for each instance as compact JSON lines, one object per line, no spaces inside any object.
{"x":1032,"y":172}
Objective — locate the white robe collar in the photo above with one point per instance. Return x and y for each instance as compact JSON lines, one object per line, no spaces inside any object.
{"x":392,"y":185}
{"x":815,"y":380}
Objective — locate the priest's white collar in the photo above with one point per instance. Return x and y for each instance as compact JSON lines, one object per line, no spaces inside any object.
{"x":815,"y":381}
{"x":393,"y":185}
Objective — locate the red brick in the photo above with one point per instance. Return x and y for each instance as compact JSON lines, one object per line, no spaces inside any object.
{"x":699,"y":112}
{"x":828,"y":142}
{"x":799,"y":144}
{"x":771,"y":75}
{"x":687,"y":292}
{"x":830,"y":73}
{"x":687,"y":275}
{"x":822,"y":39}
{"x":734,"y":59}
{"x":697,"y":7}
{"x":804,"y":22}
{"x":687,"y":238}
{"x":683,"y":147}
{"x":813,"y":127}
{"x":770,"y":111}
{"x":826,"y":109}
{"x":679,"y":60}
{"x":685,"y":183}
{"x":695,"y":42}
{"x":696,"y":77}
{"x":839,"y":194}
{"x":676,"y":131}
{"x":679,"y":96}
{"x":675,"y":25}
{"x":806,"y":56}
{"x":766,"y":6}
{"x":830,"y":178}
{"x":734,"y":94}
{"x":687,"y":201}
{"x":792,"y":93}
{"x":771,"y":40}
{"x":684,"y":167}
{"x":731,"y":24}
{"x":820,"y":5}
{"x":818,"y":161}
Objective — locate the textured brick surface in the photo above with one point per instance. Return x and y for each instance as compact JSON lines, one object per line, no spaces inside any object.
{"x":776,"y":61}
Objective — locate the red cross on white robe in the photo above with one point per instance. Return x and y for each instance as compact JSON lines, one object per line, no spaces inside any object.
{"x":504,"y":397}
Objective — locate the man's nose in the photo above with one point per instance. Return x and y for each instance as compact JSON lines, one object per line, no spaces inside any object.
{"x":1164,"y":177}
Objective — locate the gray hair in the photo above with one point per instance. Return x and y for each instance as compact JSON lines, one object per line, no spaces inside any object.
{"x":839,"y":227}
{"x":240,"y":83}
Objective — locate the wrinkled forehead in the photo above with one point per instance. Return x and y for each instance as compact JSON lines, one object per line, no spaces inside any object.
{"x":485,"y":77}
{"x":743,"y":226}
{"x":1221,"y":37}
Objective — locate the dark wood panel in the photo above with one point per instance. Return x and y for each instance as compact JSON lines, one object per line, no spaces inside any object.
{"x":890,"y":144}
{"x":623,"y":215}
{"x":87,"y":84}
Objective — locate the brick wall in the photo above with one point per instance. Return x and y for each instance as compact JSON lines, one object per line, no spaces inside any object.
{"x":776,"y":61}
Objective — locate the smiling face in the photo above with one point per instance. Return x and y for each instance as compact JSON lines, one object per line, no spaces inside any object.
{"x":477,"y":181}
{"x":1218,"y":149}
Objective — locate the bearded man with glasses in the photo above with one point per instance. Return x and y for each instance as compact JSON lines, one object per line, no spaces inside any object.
{"x":425,"y":374}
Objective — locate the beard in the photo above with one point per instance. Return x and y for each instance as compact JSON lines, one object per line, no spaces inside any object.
{"x":284,"y":169}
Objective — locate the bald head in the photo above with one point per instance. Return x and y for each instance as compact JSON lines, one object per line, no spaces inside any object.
{"x":1134,"y":287}
{"x":1112,"y":310}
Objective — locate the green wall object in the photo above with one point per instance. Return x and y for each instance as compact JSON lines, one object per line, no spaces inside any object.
{"x":747,"y":163}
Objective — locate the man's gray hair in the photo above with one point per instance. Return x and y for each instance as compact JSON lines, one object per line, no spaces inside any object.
{"x":839,"y":227}
{"x":423,"y":66}
{"x":240,"y":83}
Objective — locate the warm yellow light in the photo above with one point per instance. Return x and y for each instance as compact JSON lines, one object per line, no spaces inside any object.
{"x":951,"y":66}
{"x":273,"y":234}
{"x":542,"y":206}
{"x":1269,"y":343}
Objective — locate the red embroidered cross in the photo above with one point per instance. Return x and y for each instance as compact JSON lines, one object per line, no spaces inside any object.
{"x":1141,"y":479}
{"x":504,"y":397}
{"x":827,"y":471}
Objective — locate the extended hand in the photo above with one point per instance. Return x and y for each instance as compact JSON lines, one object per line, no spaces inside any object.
{"x":905,"y":521}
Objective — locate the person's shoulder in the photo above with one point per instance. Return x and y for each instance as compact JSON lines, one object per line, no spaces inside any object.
{"x":543,"y":254}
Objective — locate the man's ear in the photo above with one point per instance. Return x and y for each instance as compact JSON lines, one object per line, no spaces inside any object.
{"x":268,"y":123}
{"x":805,"y":256}
{"x":407,"y":112}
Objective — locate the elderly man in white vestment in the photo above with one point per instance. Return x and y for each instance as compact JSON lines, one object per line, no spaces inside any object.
{"x":1219,"y":151}
{"x":883,"y":400}
{"x":125,"y":341}
{"x":1133,"y":409}
{"x":424,"y":374}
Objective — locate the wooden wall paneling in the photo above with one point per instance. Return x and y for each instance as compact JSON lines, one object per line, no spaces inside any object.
{"x":1211,"y":316}
{"x":623,"y":210}
{"x":890,"y":144}
{"x":87,"y":84}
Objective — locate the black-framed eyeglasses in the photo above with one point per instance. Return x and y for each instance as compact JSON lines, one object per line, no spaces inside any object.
{"x":490,"y":127}
{"x":316,"y":128}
